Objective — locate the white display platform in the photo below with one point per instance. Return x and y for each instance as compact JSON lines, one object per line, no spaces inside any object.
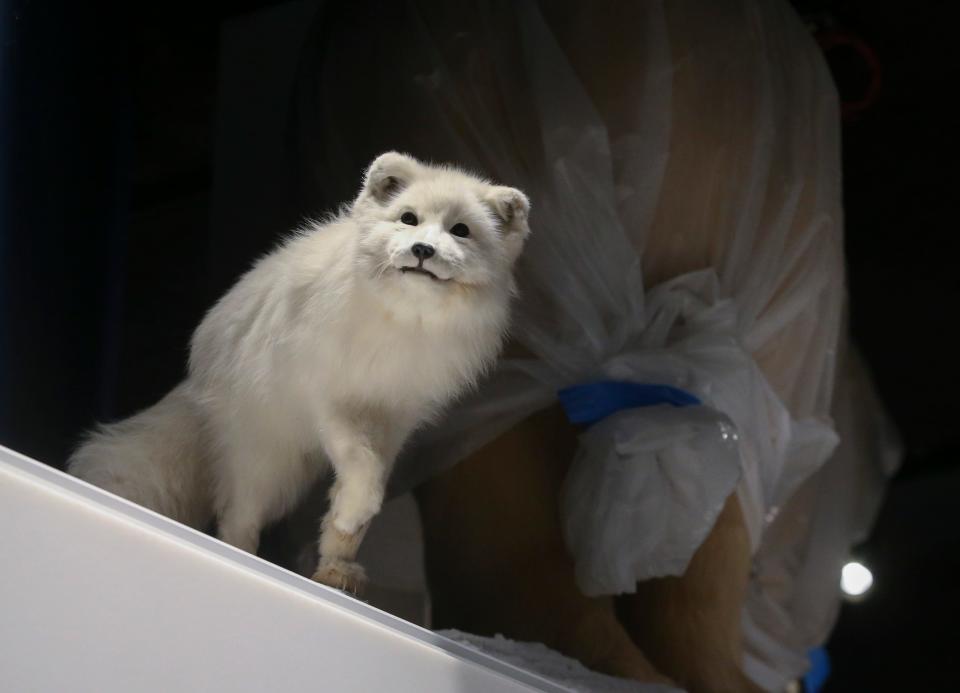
{"x":99,"y":594}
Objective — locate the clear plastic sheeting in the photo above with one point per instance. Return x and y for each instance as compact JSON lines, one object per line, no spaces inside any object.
{"x":683,"y":163}
{"x":631,"y":471}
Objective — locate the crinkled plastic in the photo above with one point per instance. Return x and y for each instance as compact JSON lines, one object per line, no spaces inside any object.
{"x":633,"y":470}
{"x":683,"y":163}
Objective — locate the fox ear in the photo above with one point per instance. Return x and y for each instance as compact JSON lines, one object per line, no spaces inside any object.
{"x":387,"y":175}
{"x":511,"y":207}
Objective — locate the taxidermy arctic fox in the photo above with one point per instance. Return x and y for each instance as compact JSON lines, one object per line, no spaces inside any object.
{"x":327,"y":354}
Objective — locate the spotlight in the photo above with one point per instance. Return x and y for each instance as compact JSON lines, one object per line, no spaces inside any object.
{"x":855,"y":579}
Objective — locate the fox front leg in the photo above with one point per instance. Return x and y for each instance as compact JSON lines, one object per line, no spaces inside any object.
{"x":362,"y":464}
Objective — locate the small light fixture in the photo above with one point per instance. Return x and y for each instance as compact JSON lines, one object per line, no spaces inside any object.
{"x":855,"y":580}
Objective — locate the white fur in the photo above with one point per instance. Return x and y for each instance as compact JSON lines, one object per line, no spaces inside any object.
{"x":325,"y":352}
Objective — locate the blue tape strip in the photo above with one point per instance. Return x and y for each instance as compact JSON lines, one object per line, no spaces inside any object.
{"x":819,"y":670}
{"x":589,"y":403}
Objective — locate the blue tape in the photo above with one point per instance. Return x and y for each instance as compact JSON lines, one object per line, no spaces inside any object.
{"x":587,"y":404}
{"x":819,"y":670}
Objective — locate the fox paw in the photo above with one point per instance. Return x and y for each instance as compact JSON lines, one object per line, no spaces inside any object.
{"x":342,"y":575}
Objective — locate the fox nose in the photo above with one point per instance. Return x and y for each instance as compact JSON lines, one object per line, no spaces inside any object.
{"x":422,"y":251}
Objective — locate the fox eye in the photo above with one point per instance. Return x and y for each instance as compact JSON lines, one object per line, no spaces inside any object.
{"x":409,"y":218}
{"x":460,"y":230}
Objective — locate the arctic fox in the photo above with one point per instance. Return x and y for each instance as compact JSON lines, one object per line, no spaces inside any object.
{"x":331,"y":350}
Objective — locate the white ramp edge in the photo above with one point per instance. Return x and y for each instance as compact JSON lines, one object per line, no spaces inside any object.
{"x":100,"y":594}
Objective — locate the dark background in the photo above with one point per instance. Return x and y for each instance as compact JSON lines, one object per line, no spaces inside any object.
{"x":107,"y":125}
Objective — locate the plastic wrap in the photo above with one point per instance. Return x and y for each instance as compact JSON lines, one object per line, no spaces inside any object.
{"x":683,"y":163}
